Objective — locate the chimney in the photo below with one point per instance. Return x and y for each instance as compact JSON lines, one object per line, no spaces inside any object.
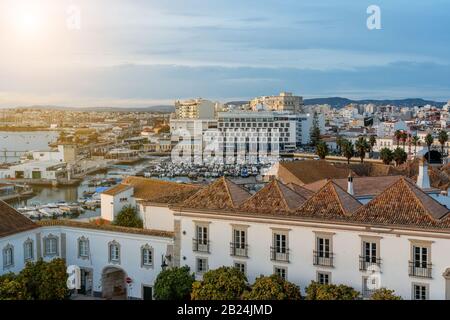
{"x":423,"y":180}
{"x":350,"y":183}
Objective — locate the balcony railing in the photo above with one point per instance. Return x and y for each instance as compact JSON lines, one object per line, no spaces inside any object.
{"x":322,"y":258}
{"x":279,"y":254}
{"x":418,"y":269}
{"x":200,"y":245}
{"x":366,"y":262}
{"x":238,"y":249}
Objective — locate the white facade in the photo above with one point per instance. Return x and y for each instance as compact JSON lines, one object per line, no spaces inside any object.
{"x":98,"y":260}
{"x":395,"y":251}
{"x":112,"y":204}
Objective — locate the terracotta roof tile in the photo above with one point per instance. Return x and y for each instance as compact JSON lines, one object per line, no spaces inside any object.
{"x":330,"y":202}
{"x":116,"y":189}
{"x":105,"y":227}
{"x":275,"y":197}
{"x":402,"y":203}
{"x":309,"y":171}
{"x":306,"y":193}
{"x":12,"y":221}
{"x":148,"y":189}
{"x":222,"y":194}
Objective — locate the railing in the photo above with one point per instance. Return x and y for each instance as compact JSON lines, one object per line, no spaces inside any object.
{"x":200,"y":245}
{"x":418,"y":269}
{"x":365,"y":262}
{"x":322,"y":258}
{"x":238,"y":249}
{"x":278,"y":254}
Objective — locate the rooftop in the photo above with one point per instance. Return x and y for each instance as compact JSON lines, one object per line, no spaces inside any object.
{"x":12,"y":222}
{"x":105,"y":227}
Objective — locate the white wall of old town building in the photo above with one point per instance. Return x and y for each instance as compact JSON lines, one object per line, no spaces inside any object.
{"x":395,"y":252}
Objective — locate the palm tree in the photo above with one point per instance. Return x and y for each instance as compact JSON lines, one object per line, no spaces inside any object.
{"x":443,"y":138}
{"x":361,"y":147}
{"x":398,"y":136}
{"x":386,"y":155}
{"x":372,"y":142}
{"x":322,"y":149}
{"x":429,"y":142}
{"x":347,"y":150}
{"x":403,"y":137}
{"x":399,"y":156}
{"x":415,"y":141}
{"x":339,"y":141}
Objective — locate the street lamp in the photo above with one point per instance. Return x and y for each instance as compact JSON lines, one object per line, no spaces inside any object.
{"x":163,"y":264}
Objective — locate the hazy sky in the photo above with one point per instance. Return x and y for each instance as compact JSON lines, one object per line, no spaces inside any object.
{"x":145,"y":52}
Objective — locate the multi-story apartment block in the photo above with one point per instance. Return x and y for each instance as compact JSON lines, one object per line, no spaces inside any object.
{"x":195,"y":109}
{"x":286,"y":101}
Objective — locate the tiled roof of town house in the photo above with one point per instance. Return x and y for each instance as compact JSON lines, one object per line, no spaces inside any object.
{"x":301,"y":190}
{"x":275,"y":197}
{"x":362,"y":186}
{"x":402,"y":203}
{"x":173,"y":198}
{"x":104,"y":227}
{"x":151,"y":189}
{"x":222,"y":194}
{"x":330,"y":202}
{"x":12,"y":222}
{"x":116,"y":189}
{"x":308,"y":171}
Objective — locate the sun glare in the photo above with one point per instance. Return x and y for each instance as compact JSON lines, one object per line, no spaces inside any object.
{"x":27,"y":21}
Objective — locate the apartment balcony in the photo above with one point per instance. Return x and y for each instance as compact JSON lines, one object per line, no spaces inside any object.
{"x":238,"y":249}
{"x":369,"y":263}
{"x":200,"y":245}
{"x":321,"y":258}
{"x":276,"y":254}
{"x":421,"y":270}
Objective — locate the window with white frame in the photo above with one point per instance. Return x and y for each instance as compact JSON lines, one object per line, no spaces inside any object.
{"x":8,"y":256}
{"x":240,"y":266}
{"x":50,"y":245}
{"x":420,"y":292}
{"x":83,"y":248}
{"x":323,"y":277}
{"x":28,"y":250}
{"x":146,"y":256}
{"x":202,"y":265}
{"x":281,"y":272}
{"x":114,"y":252}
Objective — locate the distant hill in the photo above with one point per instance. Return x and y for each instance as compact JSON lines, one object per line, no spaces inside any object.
{"x":338,"y":102}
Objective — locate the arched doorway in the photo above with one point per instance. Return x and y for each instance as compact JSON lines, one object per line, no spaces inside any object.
{"x":113,"y":283}
{"x":435,"y":157}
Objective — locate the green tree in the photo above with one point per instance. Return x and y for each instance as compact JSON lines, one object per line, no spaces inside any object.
{"x":384,"y":294}
{"x":128,"y":217}
{"x":272,"y":288}
{"x":398,"y":137}
{"x":315,"y":131}
{"x":399,"y":156}
{"x":322,"y":149}
{"x":347,"y":150}
{"x":443,"y":138}
{"x":224,"y":283}
{"x":372,"y":142}
{"x":316,"y":291}
{"x":403,"y":138}
{"x":415,"y":141}
{"x":386,"y":155}
{"x":339,"y":141}
{"x":11,"y":288}
{"x":362,"y":146}
{"x":429,"y":141}
{"x":44,"y":280}
{"x":174,"y":284}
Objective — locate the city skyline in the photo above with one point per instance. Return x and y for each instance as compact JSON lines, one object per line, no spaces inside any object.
{"x":148,"y":53}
